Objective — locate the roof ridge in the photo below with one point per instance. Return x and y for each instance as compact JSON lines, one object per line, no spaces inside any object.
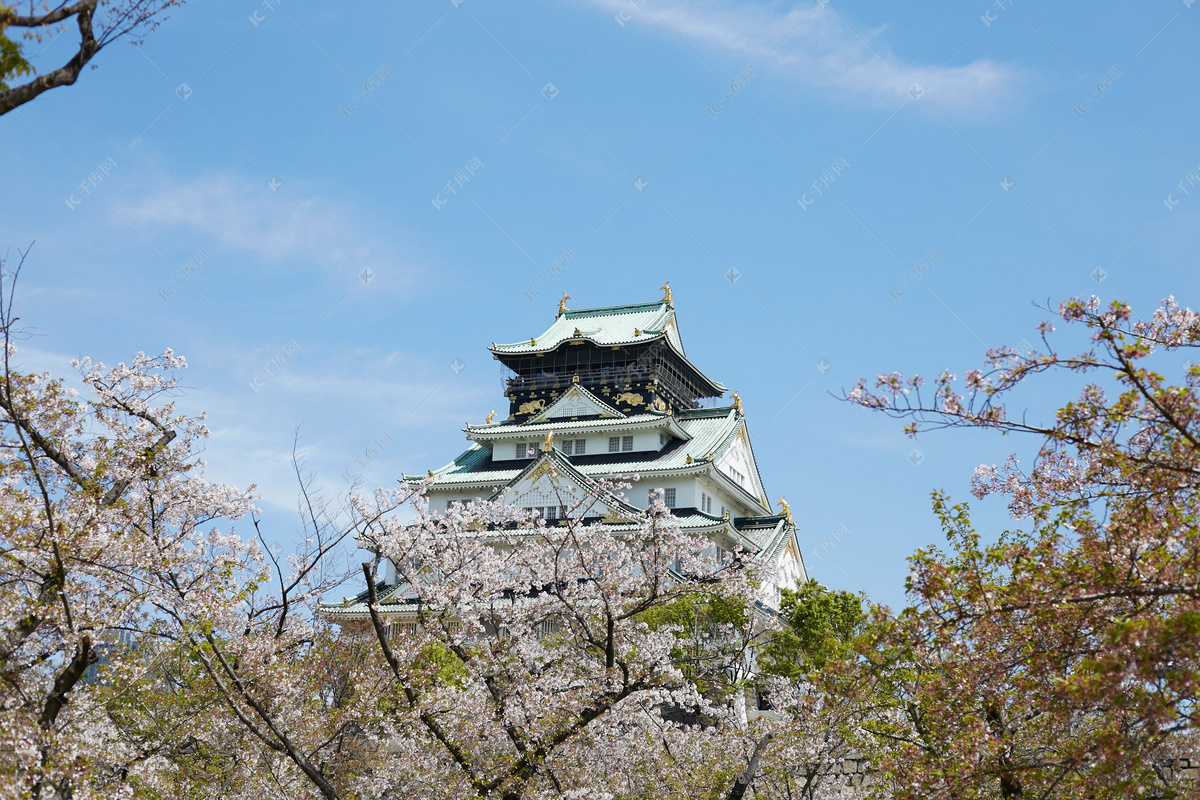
{"x":627,"y":307}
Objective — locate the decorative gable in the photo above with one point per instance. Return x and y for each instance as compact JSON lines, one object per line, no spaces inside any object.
{"x":738,"y":464}
{"x":550,"y":483}
{"x":576,"y":402}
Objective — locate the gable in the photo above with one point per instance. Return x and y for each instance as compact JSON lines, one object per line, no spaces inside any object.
{"x":576,"y":402}
{"x":737,"y":462}
{"x":549,"y":483}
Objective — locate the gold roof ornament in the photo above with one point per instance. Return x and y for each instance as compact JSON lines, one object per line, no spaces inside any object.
{"x":491,"y":416}
{"x":637,"y":331}
{"x":690,"y":460}
{"x":737,"y":402}
{"x":575,"y":378}
{"x":725,"y":515}
{"x":548,"y":444}
{"x":787,"y":511}
{"x":532,"y":342}
{"x":666,"y":287}
{"x":562,"y":304}
{"x":611,"y":517}
{"x":577,"y":332}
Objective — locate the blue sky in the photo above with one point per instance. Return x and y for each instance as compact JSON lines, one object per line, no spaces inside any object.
{"x":278,"y":212}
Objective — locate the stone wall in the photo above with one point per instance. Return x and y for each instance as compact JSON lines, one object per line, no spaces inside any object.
{"x":851,"y":771}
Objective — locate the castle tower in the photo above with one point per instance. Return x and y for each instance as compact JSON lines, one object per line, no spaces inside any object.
{"x":609,"y":392}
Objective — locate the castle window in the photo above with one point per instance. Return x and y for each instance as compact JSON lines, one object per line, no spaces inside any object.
{"x":626,"y":443}
{"x":668,"y":496}
{"x":614,"y":444}
{"x":520,"y":449}
{"x":568,"y":446}
{"x":580,"y":446}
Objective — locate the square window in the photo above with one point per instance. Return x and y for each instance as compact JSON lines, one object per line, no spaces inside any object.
{"x":626,"y":443}
{"x":567,"y":447}
{"x":551,"y":512}
{"x":521,"y":450}
{"x":614,"y":444}
{"x":580,"y":446}
{"x":670,"y":498}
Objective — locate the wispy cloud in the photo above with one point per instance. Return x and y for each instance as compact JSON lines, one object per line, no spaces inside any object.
{"x":818,"y":47}
{"x":276,"y":224}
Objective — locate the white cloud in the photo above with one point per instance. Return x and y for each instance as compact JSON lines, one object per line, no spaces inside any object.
{"x":817,"y":47}
{"x":277,"y":225}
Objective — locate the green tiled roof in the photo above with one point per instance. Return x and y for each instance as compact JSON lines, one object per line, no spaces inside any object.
{"x":608,"y":326}
{"x":510,"y":430}
{"x":711,"y":431}
{"x":769,"y":534}
{"x":611,"y":326}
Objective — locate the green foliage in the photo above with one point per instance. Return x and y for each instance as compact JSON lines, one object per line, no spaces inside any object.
{"x":705,"y":628}
{"x":443,"y":665}
{"x":12,"y":62}
{"x":820,"y":625}
{"x":695,"y":613}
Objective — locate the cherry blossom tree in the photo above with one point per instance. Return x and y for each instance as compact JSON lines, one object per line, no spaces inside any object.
{"x":533,"y":664}
{"x":1063,"y":659}
{"x":150,"y":649}
{"x":103,"y":509}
